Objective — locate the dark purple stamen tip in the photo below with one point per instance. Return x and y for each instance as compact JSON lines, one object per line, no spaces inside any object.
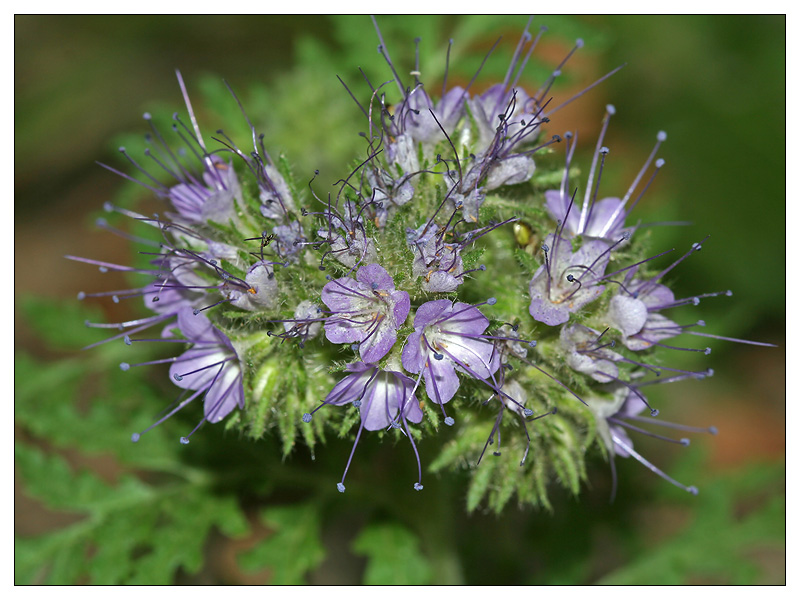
{"x":527,"y":412}
{"x":340,"y":487}
{"x":135,"y":437}
{"x":124,"y":366}
{"x":184,"y":440}
{"x":692,"y":490}
{"x":685,"y":441}
{"x":177,"y":377}
{"x":418,"y":486}
{"x":712,"y":430}
{"x":127,"y":340}
{"x":307,"y":418}
{"x":81,"y":295}
{"x":357,"y":403}
{"x":491,"y":301}
{"x":450,"y":421}
{"x":654,"y":412}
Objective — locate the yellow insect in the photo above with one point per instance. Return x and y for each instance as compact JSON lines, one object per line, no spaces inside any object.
{"x":526,"y":237}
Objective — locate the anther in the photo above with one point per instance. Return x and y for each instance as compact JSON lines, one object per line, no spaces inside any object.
{"x":418,"y":486}
{"x":340,"y":487}
{"x":178,"y":377}
{"x":527,"y":412}
{"x":124,"y":366}
{"x":449,"y":421}
{"x":357,"y":403}
{"x":307,"y":417}
{"x":491,"y":301}
{"x":662,"y":136}
{"x":127,"y":340}
{"x":184,"y":440}
{"x":134,"y":437}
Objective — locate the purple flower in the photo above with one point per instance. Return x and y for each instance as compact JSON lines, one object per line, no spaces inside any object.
{"x":567,"y":281}
{"x":437,"y":262}
{"x":261,"y":293}
{"x":289,"y":239}
{"x":210,"y":368}
{"x":385,"y":399}
{"x":448,"y":338}
{"x":306,"y":323}
{"x":605,"y":218}
{"x":636,"y":317}
{"x":276,"y":199}
{"x":209,"y":199}
{"x":586,"y":353}
{"x":416,"y":114}
{"x":621,"y":415}
{"x":367,"y":309}
{"x":347,"y":237}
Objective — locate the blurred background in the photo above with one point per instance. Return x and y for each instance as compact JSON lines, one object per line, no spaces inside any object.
{"x":716,"y":84}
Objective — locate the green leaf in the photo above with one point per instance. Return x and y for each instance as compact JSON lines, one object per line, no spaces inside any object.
{"x":732,"y":518}
{"x":61,"y":324}
{"x":295,"y":547}
{"x":393,"y":556}
{"x":131,"y":532}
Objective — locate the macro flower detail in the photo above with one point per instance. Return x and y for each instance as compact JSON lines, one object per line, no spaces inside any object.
{"x":567,"y":281}
{"x":211,"y":199}
{"x":617,"y":417}
{"x":283,"y":289}
{"x":587,"y":353}
{"x":210,"y":366}
{"x":384,"y":399}
{"x":448,"y":337}
{"x":367,"y":310}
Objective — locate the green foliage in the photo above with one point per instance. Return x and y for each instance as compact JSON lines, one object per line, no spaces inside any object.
{"x":130,"y":532}
{"x":135,"y":530}
{"x":61,"y":324}
{"x":393,"y":556}
{"x":293,"y":548}
{"x":733,"y":520}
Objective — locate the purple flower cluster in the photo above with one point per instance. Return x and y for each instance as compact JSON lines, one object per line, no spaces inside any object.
{"x":233,"y":276}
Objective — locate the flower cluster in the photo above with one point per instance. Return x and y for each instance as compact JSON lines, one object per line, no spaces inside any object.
{"x":407,"y":291}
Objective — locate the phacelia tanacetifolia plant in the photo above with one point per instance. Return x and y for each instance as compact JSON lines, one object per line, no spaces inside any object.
{"x":463,"y":272}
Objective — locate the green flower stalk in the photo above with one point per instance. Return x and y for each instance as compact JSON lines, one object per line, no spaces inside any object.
{"x":462,"y":273}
